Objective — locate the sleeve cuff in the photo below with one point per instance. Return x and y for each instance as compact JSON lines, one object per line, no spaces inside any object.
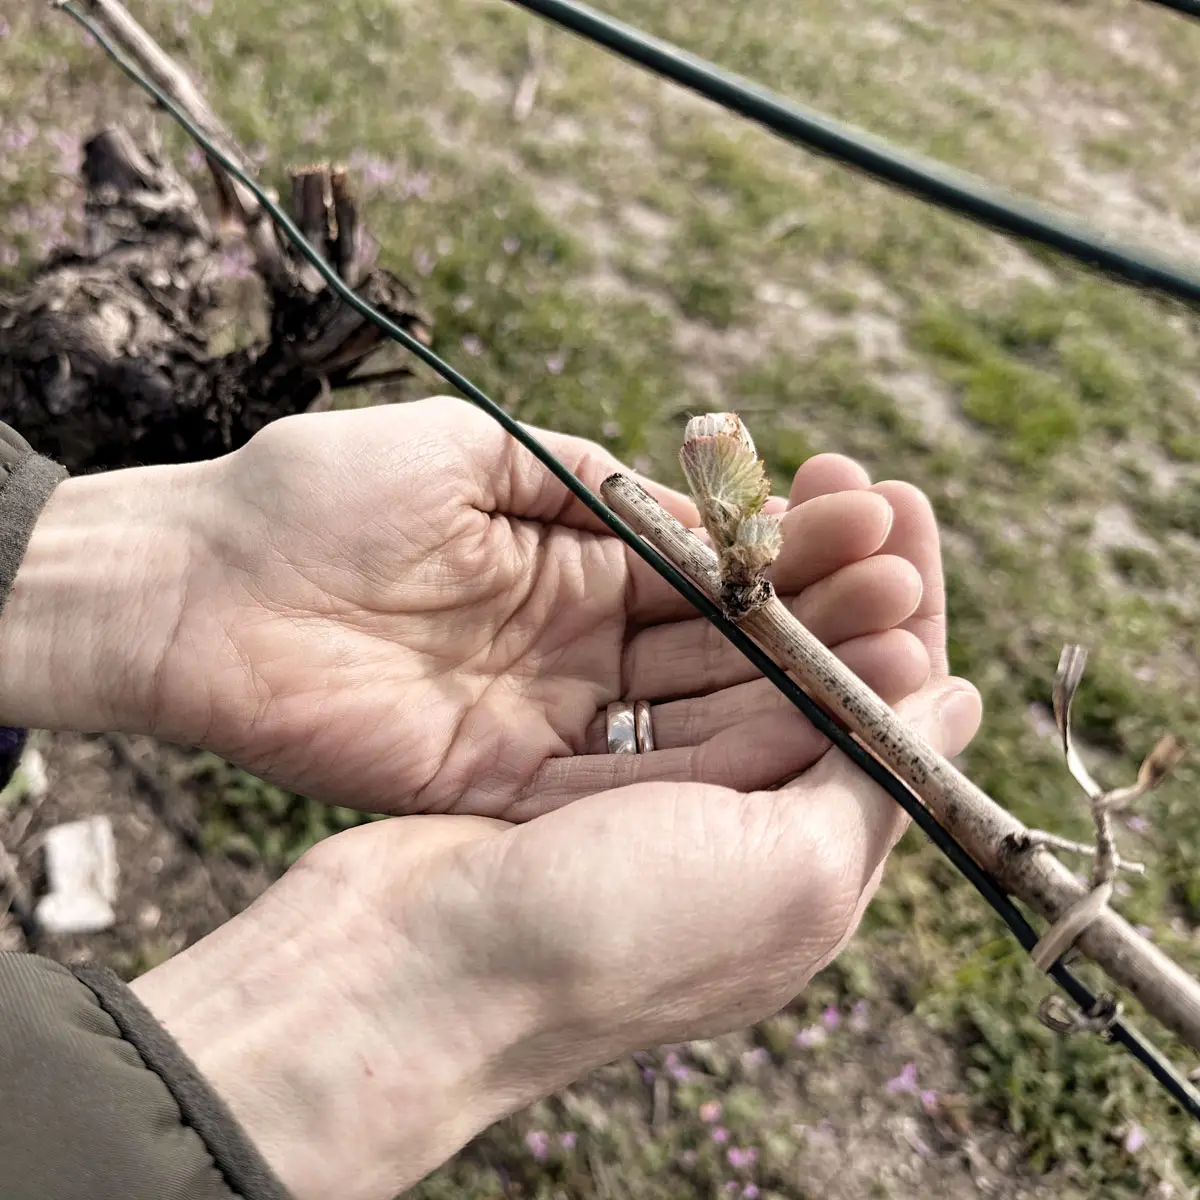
{"x":99,"y":1101}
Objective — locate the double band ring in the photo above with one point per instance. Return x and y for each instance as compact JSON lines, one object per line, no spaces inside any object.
{"x":629,"y":728}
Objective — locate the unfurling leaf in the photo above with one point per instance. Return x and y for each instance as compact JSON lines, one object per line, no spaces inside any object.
{"x":715,"y":424}
{"x":727,"y":482}
{"x":757,"y":545}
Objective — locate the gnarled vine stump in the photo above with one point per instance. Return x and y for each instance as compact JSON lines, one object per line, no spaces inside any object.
{"x":105,"y":355}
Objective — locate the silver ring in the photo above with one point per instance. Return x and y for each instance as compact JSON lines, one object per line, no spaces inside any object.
{"x":622,"y":736}
{"x":641,"y":723}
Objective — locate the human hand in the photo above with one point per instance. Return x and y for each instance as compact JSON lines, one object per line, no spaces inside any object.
{"x":399,"y":608}
{"x":409,"y":982}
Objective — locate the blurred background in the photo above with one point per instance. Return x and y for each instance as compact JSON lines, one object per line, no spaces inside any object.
{"x":607,"y":254}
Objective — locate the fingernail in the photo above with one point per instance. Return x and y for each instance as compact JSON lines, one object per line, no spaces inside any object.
{"x":891,"y":520}
{"x":958,"y":715}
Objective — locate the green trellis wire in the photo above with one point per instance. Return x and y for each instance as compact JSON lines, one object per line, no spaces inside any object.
{"x":957,"y":191}
{"x":1145,"y":1052}
{"x":1189,"y":8}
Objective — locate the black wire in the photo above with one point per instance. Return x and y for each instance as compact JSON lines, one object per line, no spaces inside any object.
{"x":957,"y":191}
{"x":987,"y":887}
{"x":1189,"y":8}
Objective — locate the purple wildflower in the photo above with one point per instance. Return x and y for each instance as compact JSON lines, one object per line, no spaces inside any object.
{"x":813,"y":1035}
{"x":1135,"y":1139}
{"x":195,"y":160}
{"x":742,"y":1158}
{"x":858,"y":1016}
{"x":710,"y":1111}
{"x":929,"y":1100}
{"x":555,"y":364}
{"x":688,"y":1158}
{"x":1137,"y":823}
{"x":538,"y":1142}
{"x":831,"y":1018}
{"x":5,"y":29}
{"x":906,"y":1081}
{"x":750,"y":1192}
{"x":676,"y":1069}
{"x":720,"y":1135}
{"x":756,"y":1057}
{"x":473,"y":345}
{"x":567,"y":1140}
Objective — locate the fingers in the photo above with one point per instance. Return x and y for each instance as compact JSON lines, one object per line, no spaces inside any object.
{"x":538,"y":494}
{"x":914,"y":536}
{"x":824,"y":474}
{"x":749,"y":737}
{"x":748,"y":757}
{"x":893,"y":664}
{"x":862,"y":820}
{"x":511,"y":481}
{"x":692,"y":658}
{"x":819,"y":537}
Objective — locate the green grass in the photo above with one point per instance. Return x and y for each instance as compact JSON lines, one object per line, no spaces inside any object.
{"x":617,"y":261}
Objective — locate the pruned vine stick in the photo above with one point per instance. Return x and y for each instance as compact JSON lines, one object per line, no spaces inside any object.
{"x":988,"y":832}
{"x":160,"y":67}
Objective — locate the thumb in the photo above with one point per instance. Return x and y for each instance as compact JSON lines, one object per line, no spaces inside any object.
{"x":946,"y":715}
{"x":528,"y":490}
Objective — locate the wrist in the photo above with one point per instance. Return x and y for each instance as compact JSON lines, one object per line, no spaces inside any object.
{"x":356,"y":1058}
{"x":95,"y":601}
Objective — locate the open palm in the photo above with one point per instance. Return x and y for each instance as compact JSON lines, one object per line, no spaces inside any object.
{"x":398,"y":608}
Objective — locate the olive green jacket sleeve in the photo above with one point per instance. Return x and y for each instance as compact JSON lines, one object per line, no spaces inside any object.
{"x":97,"y":1102}
{"x":26,"y":481}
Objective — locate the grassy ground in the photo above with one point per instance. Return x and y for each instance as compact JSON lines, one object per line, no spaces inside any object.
{"x":628,"y":254}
